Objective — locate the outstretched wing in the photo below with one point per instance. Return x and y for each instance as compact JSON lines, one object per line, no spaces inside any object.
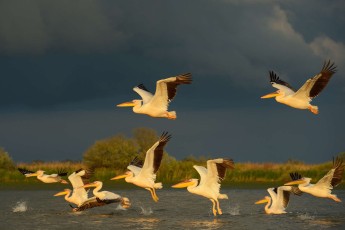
{"x":280,"y":84}
{"x":145,"y":94}
{"x":334,"y":176}
{"x":202,"y":172}
{"x":313,"y":86}
{"x":166,"y":89}
{"x":25,"y":171}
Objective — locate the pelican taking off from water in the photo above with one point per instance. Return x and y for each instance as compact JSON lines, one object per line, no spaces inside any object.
{"x":302,"y":98}
{"x":323,"y":188}
{"x":279,"y":198}
{"x":145,"y":176}
{"x":157,"y":105}
{"x":104,"y":197}
{"x":210,"y":179}
{"x":52,"y":178}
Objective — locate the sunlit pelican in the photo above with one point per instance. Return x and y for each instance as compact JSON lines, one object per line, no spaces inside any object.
{"x":302,"y":98}
{"x":79,"y":195}
{"x":145,"y":176}
{"x":210,"y":179}
{"x":279,"y":199}
{"x":157,"y":105}
{"x":105,"y":197}
{"x":323,"y":188}
{"x":52,"y":178}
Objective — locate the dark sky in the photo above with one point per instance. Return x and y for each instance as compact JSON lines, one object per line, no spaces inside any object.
{"x":64,"y":65}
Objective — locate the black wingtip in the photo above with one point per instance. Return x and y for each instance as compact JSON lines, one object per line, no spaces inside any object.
{"x":165,"y":137}
{"x":141,"y":86}
{"x":329,"y":66}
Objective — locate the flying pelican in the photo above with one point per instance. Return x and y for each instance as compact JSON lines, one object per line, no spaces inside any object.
{"x":323,"y":188}
{"x":210,"y":179}
{"x":144,"y":176}
{"x":302,"y":98}
{"x":157,"y":105}
{"x":52,"y":178}
{"x":279,"y":199}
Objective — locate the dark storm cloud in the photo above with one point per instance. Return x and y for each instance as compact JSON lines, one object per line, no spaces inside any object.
{"x":60,"y":51}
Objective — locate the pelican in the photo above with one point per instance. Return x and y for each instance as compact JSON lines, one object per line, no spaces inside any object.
{"x":104,"y":197}
{"x":210,"y":179}
{"x":279,"y":199}
{"x":157,"y":105}
{"x":323,"y":188}
{"x":79,"y":195}
{"x":52,"y":178}
{"x":302,"y":98}
{"x":144,"y":176}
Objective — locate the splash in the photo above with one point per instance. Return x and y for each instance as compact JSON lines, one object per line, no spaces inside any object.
{"x":146,"y":211}
{"x":306,"y":216}
{"x":234,"y":211}
{"x":20,"y":206}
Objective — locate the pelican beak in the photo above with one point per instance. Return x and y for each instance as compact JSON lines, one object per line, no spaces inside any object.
{"x":270,"y":95}
{"x":31,"y":174}
{"x":300,"y":181}
{"x":88,"y":185}
{"x":126,"y":104}
{"x":119,"y":177}
{"x":261,"y":201}
{"x":183,"y":184}
{"x":61,"y":193}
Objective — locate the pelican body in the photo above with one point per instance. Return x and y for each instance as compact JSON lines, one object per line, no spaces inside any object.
{"x":45,"y":178}
{"x":323,"y":188}
{"x":278,"y":200}
{"x":156,"y":105}
{"x":301,"y":98}
{"x":210,"y":179}
{"x":145,"y":175}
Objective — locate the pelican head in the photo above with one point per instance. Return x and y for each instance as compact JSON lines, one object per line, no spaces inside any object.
{"x":130,"y":103}
{"x":265,"y":200}
{"x":125,"y":175}
{"x":64,"y":192}
{"x":185,"y":183}
{"x":270,"y":95}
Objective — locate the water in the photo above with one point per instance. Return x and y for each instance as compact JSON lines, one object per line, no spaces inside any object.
{"x":176,"y":209}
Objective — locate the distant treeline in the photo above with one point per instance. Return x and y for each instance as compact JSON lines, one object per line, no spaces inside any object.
{"x":110,"y":157}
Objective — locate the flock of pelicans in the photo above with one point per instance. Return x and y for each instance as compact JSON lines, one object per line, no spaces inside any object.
{"x":143,"y":174}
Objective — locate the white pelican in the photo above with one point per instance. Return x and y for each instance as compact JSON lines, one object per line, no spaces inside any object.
{"x":302,"y":98}
{"x":79,"y":195}
{"x":279,"y":199}
{"x":104,"y":197}
{"x":145,"y":176}
{"x":52,"y":178}
{"x":210,"y":179}
{"x":323,"y":188}
{"x":157,"y":105}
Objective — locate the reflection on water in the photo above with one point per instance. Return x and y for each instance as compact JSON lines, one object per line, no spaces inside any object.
{"x":143,"y":223}
{"x":20,"y":206}
{"x":204,"y":224}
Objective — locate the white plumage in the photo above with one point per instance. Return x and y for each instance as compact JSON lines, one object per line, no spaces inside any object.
{"x":210,"y":178}
{"x":156,"y":105}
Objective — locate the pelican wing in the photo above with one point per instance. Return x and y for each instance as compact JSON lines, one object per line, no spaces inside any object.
{"x":95,"y":202}
{"x":313,"y":86}
{"x":333,"y":177}
{"x":166,"y":89}
{"x":280,"y":84}
{"x":77,"y":182}
{"x":154,"y":156}
{"x":135,"y":169}
{"x":202,"y":172}
{"x":145,"y":94}
{"x":25,"y":171}
{"x":284,"y":194}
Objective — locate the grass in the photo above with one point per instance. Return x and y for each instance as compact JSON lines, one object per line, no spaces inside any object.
{"x":244,"y":175}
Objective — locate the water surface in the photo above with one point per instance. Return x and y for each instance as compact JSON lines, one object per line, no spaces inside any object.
{"x":176,"y":209}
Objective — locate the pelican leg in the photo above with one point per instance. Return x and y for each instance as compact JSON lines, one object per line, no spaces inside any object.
{"x":313,"y":109}
{"x":153,"y":196}
{"x":214,"y":207}
{"x":218,"y":208}
{"x":154,"y":193}
{"x":334,"y":197}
